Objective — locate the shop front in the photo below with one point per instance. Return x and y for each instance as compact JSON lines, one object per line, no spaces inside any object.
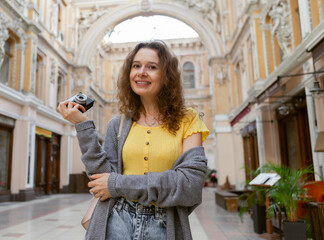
{"x":6,"y":138}
{"x":47,"y":162}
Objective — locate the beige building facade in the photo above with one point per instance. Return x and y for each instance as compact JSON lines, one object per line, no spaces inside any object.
{"x":251,"y":72}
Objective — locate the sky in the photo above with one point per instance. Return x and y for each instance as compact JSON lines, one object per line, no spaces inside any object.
{"x":147,"y":28}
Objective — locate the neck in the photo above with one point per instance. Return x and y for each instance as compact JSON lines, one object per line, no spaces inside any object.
{"x":150,"y":108}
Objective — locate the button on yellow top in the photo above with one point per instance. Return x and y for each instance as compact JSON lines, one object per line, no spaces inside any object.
{"x":154,"y":149}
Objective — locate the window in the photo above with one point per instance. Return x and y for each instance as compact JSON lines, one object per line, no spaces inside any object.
{"x":39,"y":77}
{"x":5,"y":67}
{"x":188,"y":75}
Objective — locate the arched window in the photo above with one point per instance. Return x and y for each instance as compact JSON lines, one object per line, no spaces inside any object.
{"x":188,"y":75}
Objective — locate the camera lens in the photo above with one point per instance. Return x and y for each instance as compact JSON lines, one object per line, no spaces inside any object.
{"x":80,"y":98}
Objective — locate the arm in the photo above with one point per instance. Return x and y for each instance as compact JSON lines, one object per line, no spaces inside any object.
{"x":192,"y":141}
{"x":95,"y":158}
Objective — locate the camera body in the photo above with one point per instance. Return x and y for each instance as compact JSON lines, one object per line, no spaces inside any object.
{"x":83,"y":100}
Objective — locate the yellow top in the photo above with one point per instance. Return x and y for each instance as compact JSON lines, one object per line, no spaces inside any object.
{"x":154,"y":149}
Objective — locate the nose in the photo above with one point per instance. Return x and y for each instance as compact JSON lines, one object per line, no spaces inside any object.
{"x":142,"y":71}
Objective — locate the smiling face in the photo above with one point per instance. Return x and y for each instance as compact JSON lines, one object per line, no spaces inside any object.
{"x":145,"y":74}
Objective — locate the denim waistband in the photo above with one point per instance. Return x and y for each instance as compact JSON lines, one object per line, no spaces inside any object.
{"x":138,"y":208}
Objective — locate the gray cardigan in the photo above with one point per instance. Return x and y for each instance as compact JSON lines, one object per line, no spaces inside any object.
{"x":179,"y":190}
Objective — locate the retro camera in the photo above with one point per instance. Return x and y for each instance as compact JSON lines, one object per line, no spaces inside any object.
{"x":83,"y":100}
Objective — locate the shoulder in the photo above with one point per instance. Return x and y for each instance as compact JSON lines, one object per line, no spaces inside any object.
{"x":193,"y":123}
{"x":114,"y":121}
{"x":190,"y":115}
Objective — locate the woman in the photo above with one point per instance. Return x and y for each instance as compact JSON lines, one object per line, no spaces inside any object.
{"x":152,"y":178}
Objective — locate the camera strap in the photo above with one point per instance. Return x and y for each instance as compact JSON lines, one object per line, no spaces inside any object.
{"x":120,"y":126}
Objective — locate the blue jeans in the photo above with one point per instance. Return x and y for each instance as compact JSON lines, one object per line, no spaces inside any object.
{"x":133,"y":221}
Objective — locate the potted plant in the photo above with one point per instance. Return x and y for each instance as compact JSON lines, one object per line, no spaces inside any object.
{"x":254,"y":199}
{"x":285,"y":195}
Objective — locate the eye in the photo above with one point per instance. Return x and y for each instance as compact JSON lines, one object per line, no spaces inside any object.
{"x":152,"y":67}
{"x":135,"y":65}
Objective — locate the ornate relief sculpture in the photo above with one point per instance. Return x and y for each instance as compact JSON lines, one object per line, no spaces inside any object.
{"x":87,"y":19}
{"x":145,"y":5}
{"x":281,"y":27}
{"x":221,"y":74}
{"x":4,"y":35}
{"x":280,"y":24}
{"x":208,"y":10}
{"x":19,"y":5}
{"x":54,"y":18}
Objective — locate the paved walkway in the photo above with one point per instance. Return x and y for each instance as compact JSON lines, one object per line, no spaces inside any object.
{"x":58,"y":217}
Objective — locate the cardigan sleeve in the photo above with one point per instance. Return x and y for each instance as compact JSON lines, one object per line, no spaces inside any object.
{"x":96,"y":158}
{"x":180,"y":186}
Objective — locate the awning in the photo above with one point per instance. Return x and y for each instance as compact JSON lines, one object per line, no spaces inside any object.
{"x":319,"y":146}
{"x":41,"y":131}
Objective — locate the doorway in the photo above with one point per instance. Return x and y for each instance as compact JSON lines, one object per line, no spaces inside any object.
{"x":251,"y":153}
{"x":47,"y":164}
{"x":295,"y":145}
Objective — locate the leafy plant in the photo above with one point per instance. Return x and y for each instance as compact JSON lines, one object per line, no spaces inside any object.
{"x":288,"y":190}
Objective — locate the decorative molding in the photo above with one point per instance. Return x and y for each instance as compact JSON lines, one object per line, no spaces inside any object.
{"x":54,"y":11}
{"x":221,"y":75}
{"x":146,"y":5}
{"x":4,"y":35}
{"x":208,"y":9}
{"x":52,"y":71}
{"x":19,"y":5}
{"x":88,"y":18}
{"x":33,"y":67}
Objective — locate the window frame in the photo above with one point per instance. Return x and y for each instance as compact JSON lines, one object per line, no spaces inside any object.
{"x":189,"y":73}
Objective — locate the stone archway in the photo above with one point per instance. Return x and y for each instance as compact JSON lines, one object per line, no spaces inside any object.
{"x":98,"y":30}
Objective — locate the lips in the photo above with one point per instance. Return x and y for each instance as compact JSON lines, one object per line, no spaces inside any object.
{"x":142,"y":82}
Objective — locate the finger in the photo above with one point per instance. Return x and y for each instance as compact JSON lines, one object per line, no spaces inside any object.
{"x":70,"y":105}
{"x":103,"y":198}
{"x":97,"y":195}
{"x":78,"y":106}
{"x":62,"y":105}
{"x":94,"y":190}
{"x":90,"y":184}
{"x":97,"y":175}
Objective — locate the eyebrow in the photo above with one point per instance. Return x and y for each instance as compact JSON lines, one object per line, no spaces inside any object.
{"x":148,"y":62}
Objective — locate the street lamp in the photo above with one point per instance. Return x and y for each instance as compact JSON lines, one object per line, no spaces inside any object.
{"x":316,"y":90}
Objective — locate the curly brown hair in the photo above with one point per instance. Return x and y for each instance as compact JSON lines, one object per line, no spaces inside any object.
{"x":170,"y":99}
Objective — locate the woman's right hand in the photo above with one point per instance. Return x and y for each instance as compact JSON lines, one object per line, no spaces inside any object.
{"x":70,"y":111}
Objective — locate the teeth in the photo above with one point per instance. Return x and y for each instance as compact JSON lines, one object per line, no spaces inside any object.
{"x":143,"y":82}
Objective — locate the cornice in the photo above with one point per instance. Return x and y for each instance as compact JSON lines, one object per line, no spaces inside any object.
{"x":239,"y":36}
{"x":29,"y":100}
{"x":298,"y":57}
{"x":14,"y":14}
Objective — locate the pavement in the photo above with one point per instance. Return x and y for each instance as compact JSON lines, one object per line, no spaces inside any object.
{"x":58,"y":217}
